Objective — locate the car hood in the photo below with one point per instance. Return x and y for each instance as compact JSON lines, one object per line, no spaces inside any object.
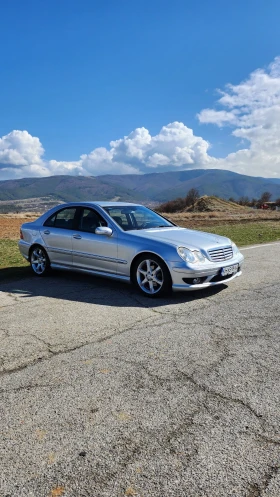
{"x":177,"y":236}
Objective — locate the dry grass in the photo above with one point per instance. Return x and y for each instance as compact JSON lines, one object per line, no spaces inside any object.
{"x":199,"y":219}
{"x":10,"y":224}
{"x":216,"y":204}
{"x":21,"y":215}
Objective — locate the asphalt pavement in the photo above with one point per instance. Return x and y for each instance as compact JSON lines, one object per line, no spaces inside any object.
{"x":105,"y":393}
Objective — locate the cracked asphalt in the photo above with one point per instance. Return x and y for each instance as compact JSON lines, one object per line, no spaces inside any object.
{"x":105,"y":393}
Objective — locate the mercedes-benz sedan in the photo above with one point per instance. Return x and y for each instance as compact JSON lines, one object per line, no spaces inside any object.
{"x":128,"y":242}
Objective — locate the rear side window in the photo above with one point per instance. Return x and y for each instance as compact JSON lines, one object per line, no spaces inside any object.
{"x":62,"y":219}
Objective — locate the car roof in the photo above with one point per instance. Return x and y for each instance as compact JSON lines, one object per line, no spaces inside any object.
{"x":102,"y":203}
{"x":113,"y":204}
{"x":97,"y":203}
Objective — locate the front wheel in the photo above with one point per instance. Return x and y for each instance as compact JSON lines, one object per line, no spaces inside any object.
{"x":152,"y":276}
{"x":39,"y":261}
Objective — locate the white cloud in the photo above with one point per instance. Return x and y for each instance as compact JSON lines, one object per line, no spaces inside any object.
{"x":101,"y":161}
{"x":156,"y":160}
{"x":19,"y":148}
{"x":251,"y":109}
{"x":175,"y":146}
{"x":219,"y":117}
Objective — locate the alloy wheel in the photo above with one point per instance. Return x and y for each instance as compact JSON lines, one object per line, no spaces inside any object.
{"x":38,"y":261}
{"x":150,"y":276}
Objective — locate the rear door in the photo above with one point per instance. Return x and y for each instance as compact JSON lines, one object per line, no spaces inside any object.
{"x":91,"y":251}
{"x":57,"y":234}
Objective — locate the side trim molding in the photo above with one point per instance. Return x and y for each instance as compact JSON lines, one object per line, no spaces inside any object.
{"x":99,"y":257}
{"x":113,"y":276}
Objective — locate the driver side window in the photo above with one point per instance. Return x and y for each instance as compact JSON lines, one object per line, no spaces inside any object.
{"x":90,"y":220}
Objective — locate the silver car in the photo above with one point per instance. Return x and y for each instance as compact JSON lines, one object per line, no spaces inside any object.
{"x":128,"y":242}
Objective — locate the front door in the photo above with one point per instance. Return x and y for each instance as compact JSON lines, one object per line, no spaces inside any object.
{"x":91,"y":251}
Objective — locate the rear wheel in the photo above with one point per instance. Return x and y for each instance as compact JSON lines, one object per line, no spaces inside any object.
{"x":152,"y":276}
{"x":39,"y":261}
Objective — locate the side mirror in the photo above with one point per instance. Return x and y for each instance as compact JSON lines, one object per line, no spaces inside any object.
{"x":103,"y":230}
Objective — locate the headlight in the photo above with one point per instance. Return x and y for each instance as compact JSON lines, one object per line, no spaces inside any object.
{"x":234,"y":249}
{"x":193,"y":256}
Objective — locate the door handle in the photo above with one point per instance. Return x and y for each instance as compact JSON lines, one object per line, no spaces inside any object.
{"x":78,"y":237}
{"x":47,"y":232}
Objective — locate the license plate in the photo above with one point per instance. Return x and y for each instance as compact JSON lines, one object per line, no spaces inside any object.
{"x":229,"y":270}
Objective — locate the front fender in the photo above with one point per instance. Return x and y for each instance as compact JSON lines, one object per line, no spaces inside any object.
{"x":128,"y":249}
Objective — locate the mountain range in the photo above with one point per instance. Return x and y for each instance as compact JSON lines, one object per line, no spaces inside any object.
{"x":153,"y":187}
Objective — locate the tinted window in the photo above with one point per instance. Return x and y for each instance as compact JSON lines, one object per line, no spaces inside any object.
{"x":90,"y":220}
{"x":62,"y":219}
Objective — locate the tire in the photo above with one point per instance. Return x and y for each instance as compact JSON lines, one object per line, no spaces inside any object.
{"x":39,"y":261}
{"x":151,"y":276}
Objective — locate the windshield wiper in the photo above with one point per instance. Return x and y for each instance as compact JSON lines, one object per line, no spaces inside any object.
{"x":153,"y":227}
{"x":163,"y":226}
{"x":158,"y":226}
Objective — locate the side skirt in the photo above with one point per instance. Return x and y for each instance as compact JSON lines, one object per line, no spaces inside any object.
{"x":90,"y":271}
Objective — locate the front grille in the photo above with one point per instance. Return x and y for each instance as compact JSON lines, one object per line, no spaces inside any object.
{"x":220,"y":254}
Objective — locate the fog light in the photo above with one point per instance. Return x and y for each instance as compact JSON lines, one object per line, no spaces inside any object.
{"x":196,"y":281}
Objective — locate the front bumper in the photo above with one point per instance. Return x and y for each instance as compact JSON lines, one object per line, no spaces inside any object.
{"x":210,"y":274}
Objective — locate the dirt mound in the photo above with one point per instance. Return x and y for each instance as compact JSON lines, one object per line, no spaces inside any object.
{"x":215,"y":204}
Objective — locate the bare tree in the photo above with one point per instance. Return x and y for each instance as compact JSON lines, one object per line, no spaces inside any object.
{"x":253,"y":202}
{"x":244,"y":201}
{"x":191,"y":197}
{"x":176,"y":205}
{"x":265,"y":197}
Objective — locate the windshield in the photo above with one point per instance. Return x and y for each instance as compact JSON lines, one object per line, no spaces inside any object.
{"x":137,"y":218}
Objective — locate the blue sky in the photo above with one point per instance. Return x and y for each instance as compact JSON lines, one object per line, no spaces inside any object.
{"x":78,"y":75}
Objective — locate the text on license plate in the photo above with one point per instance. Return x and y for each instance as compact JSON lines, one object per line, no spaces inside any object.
{"x":229,"y":270}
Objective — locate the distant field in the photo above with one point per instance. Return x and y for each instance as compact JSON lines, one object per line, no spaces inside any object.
{"x":249,"y":233}
{"x":10,"y":224}
{"x":243,"y":229}
{"x":201,"y":219}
